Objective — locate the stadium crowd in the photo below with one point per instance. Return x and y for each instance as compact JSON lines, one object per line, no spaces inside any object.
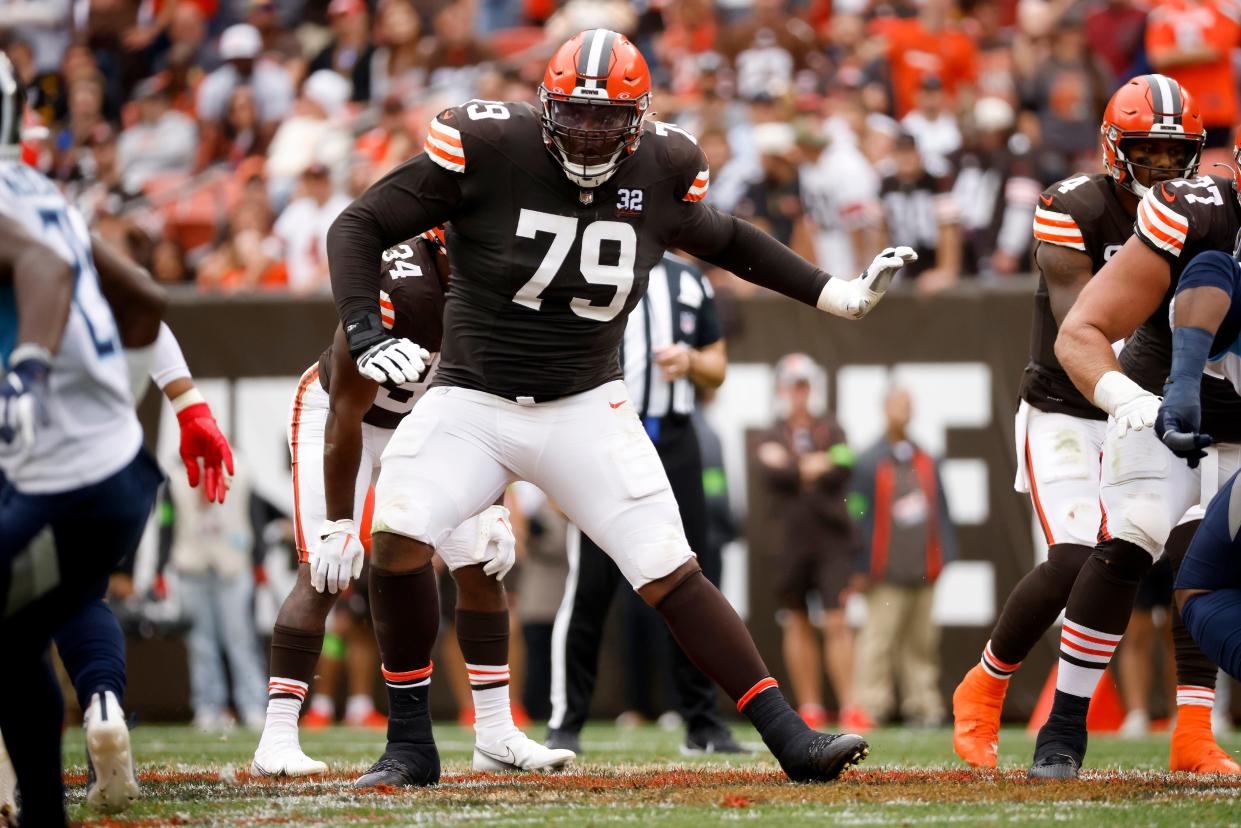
{"x":215,"y":140}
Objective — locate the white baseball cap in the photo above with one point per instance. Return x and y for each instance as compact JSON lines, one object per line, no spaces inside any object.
{"x":240,"y":42}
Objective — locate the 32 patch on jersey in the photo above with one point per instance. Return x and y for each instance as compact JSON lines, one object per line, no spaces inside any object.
{"x":628,"y":202}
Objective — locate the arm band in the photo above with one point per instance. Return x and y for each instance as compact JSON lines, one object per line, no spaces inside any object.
{"x":168,"y":364}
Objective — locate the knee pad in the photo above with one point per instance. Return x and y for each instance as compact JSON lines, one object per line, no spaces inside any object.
{"x":404,"y":515}
{"x":1144,"y":523}
{"x":651,"y":552}
{"x":1125,"y":561}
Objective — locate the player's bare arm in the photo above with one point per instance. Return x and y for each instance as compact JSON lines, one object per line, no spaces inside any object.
{"x":708,"y":365}
{"x":42,"y":282}
{"x":1067,"y":272}
{"x":350,"y":395}
{"x":137,"y":300}
{"x":1111,"y":306}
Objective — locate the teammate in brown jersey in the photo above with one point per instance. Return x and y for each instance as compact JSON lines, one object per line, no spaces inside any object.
{"x":1080,"y":223}
{"x":1145,"y":491}
{"x":340,"y":424}
{"x":556,"y":216}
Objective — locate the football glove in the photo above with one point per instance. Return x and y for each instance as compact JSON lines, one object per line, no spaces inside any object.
{"x":23,"y":400}
{"x":338,"y":558}
{"x":854,"y":298}
{"x":1178,"y":421}
{"x":497,"y":546}
{"x":396,"y":361}
{"x":1132,"y":406}
{"x":204,"y":449}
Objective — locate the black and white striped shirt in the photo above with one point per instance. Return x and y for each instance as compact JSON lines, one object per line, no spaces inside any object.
{"x":679,"y":307}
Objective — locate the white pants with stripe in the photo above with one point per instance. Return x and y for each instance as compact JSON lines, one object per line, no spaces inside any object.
{"x":460,"y":448}
{"x":307,"y":424}
{"x":1058,"y":466}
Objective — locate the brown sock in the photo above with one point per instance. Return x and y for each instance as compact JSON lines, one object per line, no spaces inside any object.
{"x":1194,"y":670}
{"x":1032,"y":607}
{"x":405,"y":609}
{"x":483,"y":637}
{"x":294,"y":654}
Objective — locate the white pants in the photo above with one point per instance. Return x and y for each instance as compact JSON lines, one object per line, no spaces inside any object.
{"x":459,"y":449}
{"x":1058,"y":466}
{"x":307,"y":422}
{"x":1146,"y":490}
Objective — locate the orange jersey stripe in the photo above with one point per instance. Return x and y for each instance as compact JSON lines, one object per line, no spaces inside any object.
{"x":439,"y":153}
{"x":1072,"y":225}
{"x":299,"y":533}
{"x":1062,"y":239}
{"x":1150,"y":229}
{"x":442,"y":135}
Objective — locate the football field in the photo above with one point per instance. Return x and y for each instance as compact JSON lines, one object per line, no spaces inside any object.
{"x":639,"y":777}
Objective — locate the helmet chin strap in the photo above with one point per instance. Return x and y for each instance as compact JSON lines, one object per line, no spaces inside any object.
{"x":590,"y":176}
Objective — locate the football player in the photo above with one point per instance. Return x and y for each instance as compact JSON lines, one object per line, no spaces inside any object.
{"x":1207,"y":328}
{"x":1080,"y":223}
{"x":342,"y":420}
{"x":558,"y":212}
{"x":79,"y":485}
{"x":1144,"y":490}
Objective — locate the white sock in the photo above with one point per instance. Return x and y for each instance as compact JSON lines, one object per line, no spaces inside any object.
{"x":323,"y":704}
{"x":358,"y":707}
{"x":280,"y":727}
{"x":493,"y":715}
{"x":1084,"y":655}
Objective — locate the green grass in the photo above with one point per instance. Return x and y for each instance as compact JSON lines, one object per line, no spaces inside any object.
{"x":639,"y":777}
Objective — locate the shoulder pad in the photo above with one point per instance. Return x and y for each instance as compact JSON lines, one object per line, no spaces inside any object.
{"x":1064,"y":207}
{"x":1164,"y":221}
{"x":680,"y":154}
{"x":461,"y":131}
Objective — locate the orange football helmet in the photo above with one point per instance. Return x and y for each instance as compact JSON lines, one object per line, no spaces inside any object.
{"x":595,"y":93}
{"x":1149,"y":107}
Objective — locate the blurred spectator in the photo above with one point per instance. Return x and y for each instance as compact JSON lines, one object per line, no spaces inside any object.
{"x":44,"y":24}
{"x":235,"y":137}
{"x":1114,"y":30}
{"x":349,"y":52}
{"x":240,"y":48}
{"x":730,"y":176}
{"x":168,"y":263}
{"x":211,"y":554}
{"x":767,"y":48}
{"x":995,"y":50}
{"x":302,"y":229}
{"x":454,"y":56}
{"x":907,"y":537}
{"x":391,"y":142}
{"x":161,"y":141}
{"x":1151,"y":621}
{"x":397,"y":66}
{"x":996,"y":189}
{"x":85,"y":119}
{"x":934,"y":127}
{"x":1193,"y":42}
{"x":690,"y":30}
{"x":774,"y":201}
{"x":840,"y":192}
{"x":278,"y":40}
{"x":929,"y":45}
{"x":247,"y":257}
{"x":316,"y":133}
{"x":1068,"y":92}
{"x":919,"y":210}
{"x":804,"y":463}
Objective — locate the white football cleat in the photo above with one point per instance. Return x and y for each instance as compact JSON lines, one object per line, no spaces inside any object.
{"x":285,"y":760}
{"x":8,"y":787}
{"x":113,"y":786}
{"x":519,"y":752}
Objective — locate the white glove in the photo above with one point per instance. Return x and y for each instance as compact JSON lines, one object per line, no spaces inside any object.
{"x":397,"y":361}
{"x":338,"y":560}
{"x":854,"y":298}
{"x":497,"y":546}
{"x":1132,"y":406}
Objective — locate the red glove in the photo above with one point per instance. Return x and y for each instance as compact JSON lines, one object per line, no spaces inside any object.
{"x":201,"y":440}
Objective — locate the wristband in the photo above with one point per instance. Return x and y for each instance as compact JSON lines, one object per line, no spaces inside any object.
{"x":29,"y":351}
{"x":835,"y":296}
{"x":331,"y":527}
{"x":184,"y":400}
{"x":1114,"y":389}
{"x":1191,"y":346}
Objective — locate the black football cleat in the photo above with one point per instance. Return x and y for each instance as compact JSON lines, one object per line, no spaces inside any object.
{"x":563,"y":740}
{"x":1059,"y":764}
{"x":1061,"y":744}
{"x":821,"y":757}
{"x":711,"y":739}
{"x":414,"y":766}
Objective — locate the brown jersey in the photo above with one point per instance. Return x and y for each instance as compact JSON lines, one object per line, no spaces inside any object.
{"x":1081,"y":213}
{"x":1178,"y":220}
{"x":411,"y":306}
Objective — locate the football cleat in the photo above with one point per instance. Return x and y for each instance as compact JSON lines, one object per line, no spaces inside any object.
{"x":112,"y":785}
{"x":285,"y":760}
{"x":976,"y":706}
{"x":518,"y":752}
{"x":813,"y":715}
{"x":1057,"y":764}
{"x":821,"y":757}
{"x":409,"y":766}
{"x":563,"y":740}
{"x":711,"y":739}
{"x":315,"y":720}
{"x":855,"y":719}
{"x":373,"y":718}
{"x":1193,"y":748}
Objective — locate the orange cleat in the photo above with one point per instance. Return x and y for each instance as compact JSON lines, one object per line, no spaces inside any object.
{"x":1194,"y":749}
{"x":373,"y":719}
{"x":854,"y":719}
{"x":465,"y":717}
{"x":314,"y":720}
{"x":813,"y":715}
{"x":520,"y":717}
{"x":976,"y":706}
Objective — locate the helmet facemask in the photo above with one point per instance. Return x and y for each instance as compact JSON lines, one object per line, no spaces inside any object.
{"x":590,"y":137}
{"x":1124,"y":169}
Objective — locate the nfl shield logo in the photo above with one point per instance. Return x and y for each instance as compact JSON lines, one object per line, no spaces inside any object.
{"x":687,"y":322}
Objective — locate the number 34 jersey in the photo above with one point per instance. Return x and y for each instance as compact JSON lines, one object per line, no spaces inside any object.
{"x":411,"y":306}
{"x":544,"y":272}
{"x":91,"y":431}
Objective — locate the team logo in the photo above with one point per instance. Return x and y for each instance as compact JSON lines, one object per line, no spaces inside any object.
{"x":628,"y":202}
{"x":687,"y":322}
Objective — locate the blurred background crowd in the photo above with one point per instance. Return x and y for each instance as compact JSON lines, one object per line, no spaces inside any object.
{"x":217,"y":139}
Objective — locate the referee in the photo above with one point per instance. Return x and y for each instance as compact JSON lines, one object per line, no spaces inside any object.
{"x":672,"y":346}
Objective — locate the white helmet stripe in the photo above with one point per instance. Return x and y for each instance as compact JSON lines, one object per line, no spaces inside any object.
{"x":1163,"y":106}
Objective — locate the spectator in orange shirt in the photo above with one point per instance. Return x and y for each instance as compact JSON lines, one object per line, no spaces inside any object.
{"x":929,"y":45}
{"x":1191,"y":41}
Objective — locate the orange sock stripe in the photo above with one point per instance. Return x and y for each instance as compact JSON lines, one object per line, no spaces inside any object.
{"x":408,"y":675}
{"x":764,"y":684}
